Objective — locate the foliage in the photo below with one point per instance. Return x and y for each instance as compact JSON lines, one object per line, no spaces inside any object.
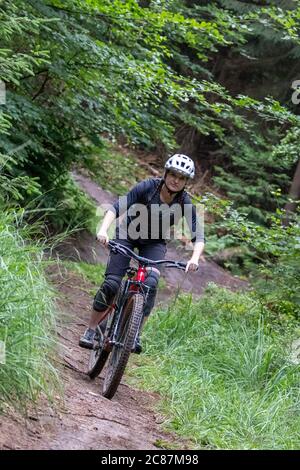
{"x":114,"y":171}
{"x":224,"y":376}
{"x":257,"y":68}
{"x":270,"y":255}
{"x":257,"y":174}
{"x":27,"y":322}
{"x":26,"y":303}
{"x":68,"y":206}
{"x":278,"y":285}
{"x":158,"y":75}
{"x":84,"y":69}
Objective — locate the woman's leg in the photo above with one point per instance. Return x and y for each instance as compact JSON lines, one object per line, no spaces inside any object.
{"x":104,"y":298}
{"x":115,"y":270}
{"x":155,"y":252}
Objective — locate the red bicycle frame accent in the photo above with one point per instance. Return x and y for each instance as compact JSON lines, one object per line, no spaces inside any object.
{"x":140,"y":276}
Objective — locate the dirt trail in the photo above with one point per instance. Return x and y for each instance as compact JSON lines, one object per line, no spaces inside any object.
{"x":86,"y":420}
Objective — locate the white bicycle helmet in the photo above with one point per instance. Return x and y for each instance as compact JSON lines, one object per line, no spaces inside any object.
{"x":182,"y":164}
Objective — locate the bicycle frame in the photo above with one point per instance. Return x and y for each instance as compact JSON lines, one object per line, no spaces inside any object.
{"x":125,"y":317}
{"x":131,"y":285}
{"x":136,"y":284}
{"x":140,"y":277}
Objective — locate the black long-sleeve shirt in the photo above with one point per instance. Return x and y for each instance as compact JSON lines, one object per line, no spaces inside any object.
{"x":151,"y":218}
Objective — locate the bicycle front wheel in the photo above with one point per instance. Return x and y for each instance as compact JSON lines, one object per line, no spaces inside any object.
{"x":132,"y":316}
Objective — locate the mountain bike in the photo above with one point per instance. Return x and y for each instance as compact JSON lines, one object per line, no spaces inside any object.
{"x":117,"y":333}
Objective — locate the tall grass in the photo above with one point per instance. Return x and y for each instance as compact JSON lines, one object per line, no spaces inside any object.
{"x":222,"y":372}
{"x":26,"y":316}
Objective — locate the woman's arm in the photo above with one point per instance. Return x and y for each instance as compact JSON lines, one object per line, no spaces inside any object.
{"x":195,"y":222}
{"x":198,"y":250}
{"x":102,"y":236}
{"x":192,"y":264}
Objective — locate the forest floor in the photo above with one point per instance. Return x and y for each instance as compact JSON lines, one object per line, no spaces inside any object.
{"x":82,"y":418}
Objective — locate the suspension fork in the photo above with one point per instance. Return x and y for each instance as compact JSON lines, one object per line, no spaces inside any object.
{"x":120,"y":300}
{"x":139,"y":277}
{"x":141,"y":287}
{"x":132,"y":285}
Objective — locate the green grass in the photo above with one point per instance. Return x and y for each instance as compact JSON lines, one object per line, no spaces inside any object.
{"x":27,"y":317}
{"x":223,"y":374}
{"x":93,"y":273}
{"x":113,"y":170}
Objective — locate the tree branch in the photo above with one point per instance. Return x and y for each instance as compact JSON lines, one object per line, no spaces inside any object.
{"x":42,"y":87}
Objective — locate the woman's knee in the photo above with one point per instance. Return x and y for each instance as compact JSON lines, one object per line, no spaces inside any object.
{"x":106,"y":293}
{"x":152,"y":282}
{"x":152,"y":278}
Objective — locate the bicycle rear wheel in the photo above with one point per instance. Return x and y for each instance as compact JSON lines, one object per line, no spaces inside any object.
{"x":132,"y":316}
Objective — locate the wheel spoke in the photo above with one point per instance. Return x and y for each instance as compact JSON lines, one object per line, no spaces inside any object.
{"x":131,"y":320}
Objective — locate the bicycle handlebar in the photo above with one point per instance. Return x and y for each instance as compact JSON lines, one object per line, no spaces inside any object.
{"x":117,"y":248}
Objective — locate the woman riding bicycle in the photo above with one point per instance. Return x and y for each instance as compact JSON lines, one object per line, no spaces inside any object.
{"x":155,"y":194}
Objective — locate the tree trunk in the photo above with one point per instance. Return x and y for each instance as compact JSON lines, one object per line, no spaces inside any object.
{"x":293,"y":194}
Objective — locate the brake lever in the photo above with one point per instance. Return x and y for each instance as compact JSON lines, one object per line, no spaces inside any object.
{"x":120,"y":251}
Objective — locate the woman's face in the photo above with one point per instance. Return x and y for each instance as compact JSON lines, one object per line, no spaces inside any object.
{"x":175,"y":181}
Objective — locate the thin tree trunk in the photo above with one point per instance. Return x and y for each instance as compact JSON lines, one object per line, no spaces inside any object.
{"x":294,"y":194}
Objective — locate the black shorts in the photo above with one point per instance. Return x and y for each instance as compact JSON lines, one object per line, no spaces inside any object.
{"x":117,"y":264}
